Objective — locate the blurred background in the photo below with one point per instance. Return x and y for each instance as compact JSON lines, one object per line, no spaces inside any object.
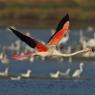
{"x":39,"y":18}
{"x":46,"y":13}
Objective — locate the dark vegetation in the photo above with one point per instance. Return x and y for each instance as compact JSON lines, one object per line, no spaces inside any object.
{"x":46,"y":13}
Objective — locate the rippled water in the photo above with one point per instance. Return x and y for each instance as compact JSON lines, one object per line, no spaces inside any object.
{"x":47,"y":87}
{"x":43,"y":68}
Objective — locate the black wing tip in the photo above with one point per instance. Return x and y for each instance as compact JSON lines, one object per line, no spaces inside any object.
{"x":62,"y":22}
{"x":10,"y":28}
{"x":66,"y":17}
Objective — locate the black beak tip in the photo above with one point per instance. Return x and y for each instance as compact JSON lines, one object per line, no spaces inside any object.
{"x":93,"y":49}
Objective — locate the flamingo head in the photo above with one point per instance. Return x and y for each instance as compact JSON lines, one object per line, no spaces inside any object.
{"x":29,"y":71}
{"x":89,"y":49}
{"x":81,"y":64}
{"x":58,"y":71}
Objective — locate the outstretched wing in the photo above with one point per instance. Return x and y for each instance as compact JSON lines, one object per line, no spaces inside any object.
{"x":61,"y":30}
{"x":29,"y":40}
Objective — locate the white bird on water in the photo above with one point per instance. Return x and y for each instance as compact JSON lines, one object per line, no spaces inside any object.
{"x":27,"y":74}
{"x":55,"y":75}
{"x":78,"y":72}
{"x":65,"y":74}
{"x":3,"y":58}
{"x":15,"y":78}
{"x":5,"y":73}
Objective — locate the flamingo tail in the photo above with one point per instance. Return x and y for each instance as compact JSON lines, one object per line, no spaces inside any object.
{"x":22,"y":56}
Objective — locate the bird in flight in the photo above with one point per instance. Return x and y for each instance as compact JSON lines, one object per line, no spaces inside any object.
{"x":49,"y":49}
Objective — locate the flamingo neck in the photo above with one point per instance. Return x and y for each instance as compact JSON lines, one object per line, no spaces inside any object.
{"x":67,"y":72}
{"x":71,"y":54}
{"x":6,"y":71}
{"x":81,"y":68}
{"x":57,"y":73}
{"x":28,"y":73}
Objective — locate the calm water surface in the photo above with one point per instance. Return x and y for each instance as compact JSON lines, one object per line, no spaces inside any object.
{"x":47,"y":87}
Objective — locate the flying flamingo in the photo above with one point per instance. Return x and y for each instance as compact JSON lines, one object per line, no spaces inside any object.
{"x":49,"y":49}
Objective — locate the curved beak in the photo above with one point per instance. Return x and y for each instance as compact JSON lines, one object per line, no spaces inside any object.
{"x":89,"y":49}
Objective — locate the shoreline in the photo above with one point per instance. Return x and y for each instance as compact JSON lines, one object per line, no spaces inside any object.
{"x":44,"y":78}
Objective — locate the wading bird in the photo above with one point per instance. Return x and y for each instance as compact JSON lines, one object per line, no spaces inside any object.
{"x":77,"y":72}
{"x":65,"y":74}
{"x":5,"y":73}
{"x":49,"y":49}
{"x":27,"y":74}
{"x":55,"y":75}
{"x":15,"y":78}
